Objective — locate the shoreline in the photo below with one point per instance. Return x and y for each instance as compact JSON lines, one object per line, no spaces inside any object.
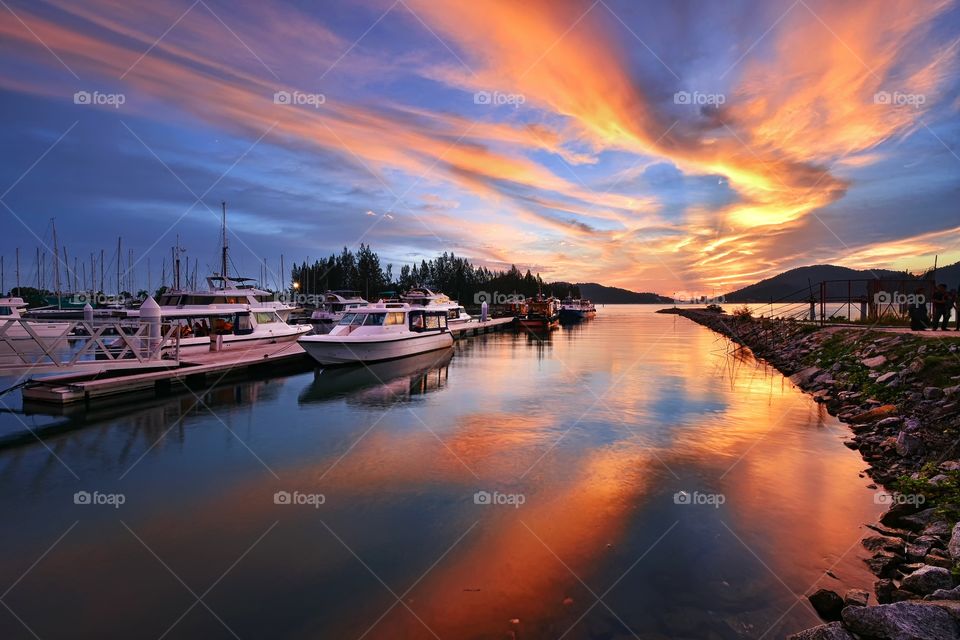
{"x":899,"y":394}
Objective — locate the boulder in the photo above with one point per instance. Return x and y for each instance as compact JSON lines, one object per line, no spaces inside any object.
{"x":901,"y":621}
{"x":884,"y":589}
{"x":874,"y":362}
{"x":927,"y":579}
{"x":954,"y":545}
{"x":856,"y":598}
{"x":886,"y":377}
{"x":908,"y":444}
{"x":876,"y":413}
{"x":827,"y":603}
{"x":832,"y":631}
{"x":804,"y":376}
{"x":932,"y":393}
{"x":945,"y":594}
{"x":883,"y":543}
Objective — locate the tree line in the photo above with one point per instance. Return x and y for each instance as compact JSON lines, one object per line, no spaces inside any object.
{"x":455,"y":276}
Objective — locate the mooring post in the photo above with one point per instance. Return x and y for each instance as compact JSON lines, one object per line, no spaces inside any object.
{"x":483,"y":311}
{"x":150,"y":315}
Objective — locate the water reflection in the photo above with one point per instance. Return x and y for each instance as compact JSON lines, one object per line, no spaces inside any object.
{"x":597,"y":428}
{"x":381,"y":383}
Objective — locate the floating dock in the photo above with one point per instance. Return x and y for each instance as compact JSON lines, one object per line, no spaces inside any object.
{"x":194,"y":372}
{"x":475,"y":328}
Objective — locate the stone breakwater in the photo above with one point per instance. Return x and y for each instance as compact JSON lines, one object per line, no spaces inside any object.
{"x":900,"y":395}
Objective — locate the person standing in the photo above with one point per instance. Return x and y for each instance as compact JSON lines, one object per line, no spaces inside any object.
{"x":917,"y":311}
{"x":941,"y":307}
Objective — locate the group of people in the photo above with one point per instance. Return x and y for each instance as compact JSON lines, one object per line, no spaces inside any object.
{"x":943,"y":302}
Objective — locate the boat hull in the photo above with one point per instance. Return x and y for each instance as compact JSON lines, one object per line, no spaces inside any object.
{"x":333,"y":350}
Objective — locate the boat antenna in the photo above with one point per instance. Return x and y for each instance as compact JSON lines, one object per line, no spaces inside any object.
{"x":223,"y":257}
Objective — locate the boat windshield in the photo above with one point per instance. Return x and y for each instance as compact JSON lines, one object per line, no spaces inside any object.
{"x":347,"y":318}
{"x":374,"y":319}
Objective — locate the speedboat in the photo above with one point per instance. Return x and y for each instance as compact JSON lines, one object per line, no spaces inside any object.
{"x":424,"y":297}
{"x":572,"y":309}
{"x":335,"y":304}
{"x":380,"y":331}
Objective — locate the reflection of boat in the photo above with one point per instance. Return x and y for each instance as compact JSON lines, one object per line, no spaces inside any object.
{"x":543,"y":314}
{"x":335,"y":304}
{"x":412,"y":375}
{"x":381,"y":331}
{"x":423,"y":297}
{"x":575,"y":309}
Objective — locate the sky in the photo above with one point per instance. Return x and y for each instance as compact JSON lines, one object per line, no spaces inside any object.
{"x":657,"y":146}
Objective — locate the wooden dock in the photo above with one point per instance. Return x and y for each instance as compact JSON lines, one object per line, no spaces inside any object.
{"x":195,"y":371}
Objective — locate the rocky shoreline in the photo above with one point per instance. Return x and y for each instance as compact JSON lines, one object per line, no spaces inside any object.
{"x":900,"y":395}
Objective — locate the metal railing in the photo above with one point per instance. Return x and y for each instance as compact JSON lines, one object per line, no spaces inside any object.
{"x":29,"y":346}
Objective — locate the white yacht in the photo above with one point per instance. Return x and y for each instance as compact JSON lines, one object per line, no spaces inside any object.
{"x":230,"y":308}
{"x":381,"y":331}
{"x":335,"y":304}
{"x":424,"y":297}
{"x":15,"y":325}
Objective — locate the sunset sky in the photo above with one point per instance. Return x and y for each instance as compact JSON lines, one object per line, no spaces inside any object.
{"x":658,"y":146}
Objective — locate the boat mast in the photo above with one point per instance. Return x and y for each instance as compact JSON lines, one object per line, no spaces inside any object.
{"x":56,"y":262}
{"x":17,"y":271}
{"x":223,"y":258}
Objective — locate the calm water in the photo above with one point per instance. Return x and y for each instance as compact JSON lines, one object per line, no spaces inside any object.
{"x":594,"y":430}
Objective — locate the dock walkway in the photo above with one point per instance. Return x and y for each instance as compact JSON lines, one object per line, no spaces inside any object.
{"x":195,"y":371}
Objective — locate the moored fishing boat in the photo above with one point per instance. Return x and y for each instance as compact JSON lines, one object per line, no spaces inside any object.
{"x":542,"y":314}
{"x":575,"y":309}
{"x":381,"y":331}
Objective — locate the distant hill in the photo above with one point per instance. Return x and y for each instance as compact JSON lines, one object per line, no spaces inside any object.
{"x":949,"y":274}
{"x":797,"y":284}
{"x":601,"y":294}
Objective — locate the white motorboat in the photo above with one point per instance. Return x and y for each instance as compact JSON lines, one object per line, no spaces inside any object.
{"x":381,"y":331}
{"x":424,"y":297}
{"x":335,"y":304}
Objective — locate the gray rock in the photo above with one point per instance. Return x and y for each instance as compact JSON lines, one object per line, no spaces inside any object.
{"x":901,"y":621}
{"x":908,"y":445}
{"x":804,"y":376}
{"x":832,"y":631}
{"x":932,"y":393}
{"x":874,"y":362}
{"x":951,"y":391}
{"x":827,"y":603}
{"x":883,"y":543}
{"x":927,"y":579}
{"x":945,"y":594}
{"x":954,"y":545}
{"x":856,"y":598}
{"x":886,"y":377}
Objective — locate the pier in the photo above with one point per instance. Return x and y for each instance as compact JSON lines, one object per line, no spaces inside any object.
{"x":196,"y":371}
